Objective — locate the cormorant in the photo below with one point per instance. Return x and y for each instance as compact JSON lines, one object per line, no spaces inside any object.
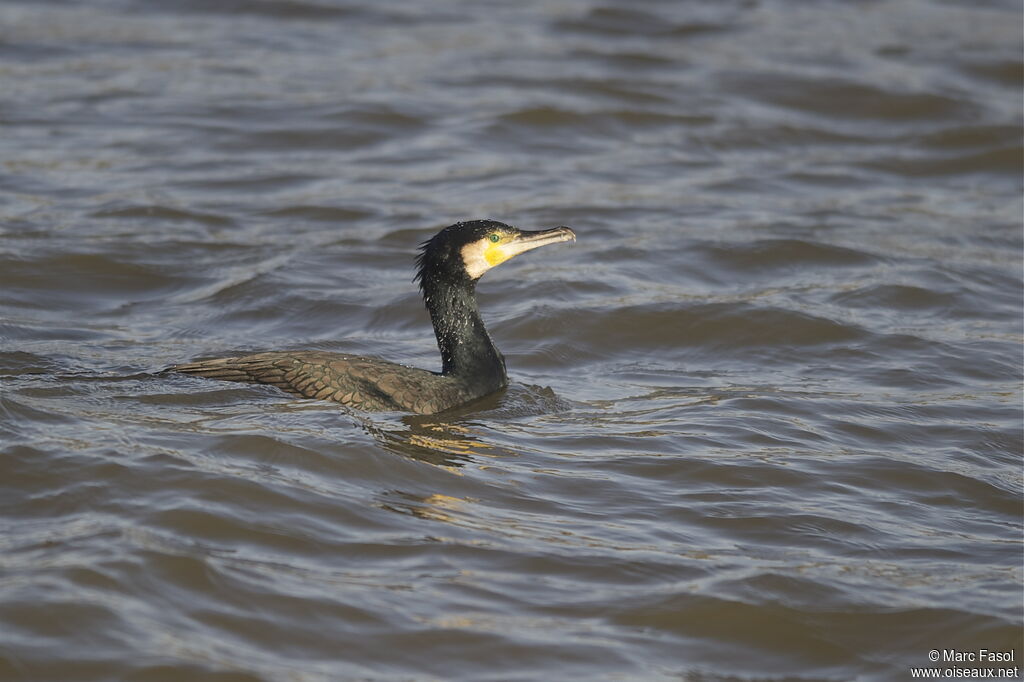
{"x":448,"y":267}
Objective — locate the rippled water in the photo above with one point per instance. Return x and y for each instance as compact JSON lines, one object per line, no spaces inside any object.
{"x":765,"y":419}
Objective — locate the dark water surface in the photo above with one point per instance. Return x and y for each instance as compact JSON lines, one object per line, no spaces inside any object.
{"x":765,"y":420}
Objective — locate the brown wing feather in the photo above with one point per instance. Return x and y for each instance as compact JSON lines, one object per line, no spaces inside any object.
{"x":262,"y":368}
{"x":360,"y":382}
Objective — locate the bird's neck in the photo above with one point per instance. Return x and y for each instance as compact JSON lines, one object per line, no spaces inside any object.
{"x":467,"y":351}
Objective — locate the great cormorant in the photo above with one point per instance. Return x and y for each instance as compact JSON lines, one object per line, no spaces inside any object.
{"x":448,"y":267}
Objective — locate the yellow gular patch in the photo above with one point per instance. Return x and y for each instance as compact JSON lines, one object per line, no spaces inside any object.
{"x":495,"y":254}
{"x":475,"y":258}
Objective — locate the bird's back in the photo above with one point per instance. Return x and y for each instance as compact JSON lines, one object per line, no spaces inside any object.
{"x":361,"y":382}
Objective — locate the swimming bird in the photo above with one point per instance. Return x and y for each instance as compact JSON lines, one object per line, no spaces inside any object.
{"x":448,"y":267}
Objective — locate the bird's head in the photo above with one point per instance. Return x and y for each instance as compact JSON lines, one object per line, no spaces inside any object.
{"x":465,"y":251}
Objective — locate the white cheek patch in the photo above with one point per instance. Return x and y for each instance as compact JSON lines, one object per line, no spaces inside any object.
{"x":475,"y":258}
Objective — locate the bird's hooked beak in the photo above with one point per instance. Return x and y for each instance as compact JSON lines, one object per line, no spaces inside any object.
{"x":527,"y":240}
{"x":481,"y":256}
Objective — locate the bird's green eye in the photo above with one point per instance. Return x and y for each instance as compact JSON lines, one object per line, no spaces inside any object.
{"x":495,"y":237}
